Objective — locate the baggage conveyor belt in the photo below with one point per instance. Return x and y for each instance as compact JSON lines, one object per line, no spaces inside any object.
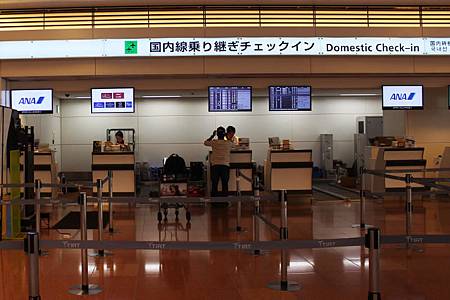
{"x":335,"y":191}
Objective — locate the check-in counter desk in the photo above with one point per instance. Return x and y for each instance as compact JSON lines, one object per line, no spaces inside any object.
{"x":445,"y":164}
{"x":239,"y":160}
{"x":289,"y":170}
{"x":395,"y":159}
{"x":45,"y":169}
{"x":122,"y":166}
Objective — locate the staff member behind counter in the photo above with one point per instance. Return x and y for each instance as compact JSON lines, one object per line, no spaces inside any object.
{"x":220,"y":161}
{"x":120,"y":141}
{"x":231,"y":135}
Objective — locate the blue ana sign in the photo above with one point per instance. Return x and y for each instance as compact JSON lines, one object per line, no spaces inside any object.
{"x":403,"y":96}
{"x":25,"y":101}
{"x":32,"y":101}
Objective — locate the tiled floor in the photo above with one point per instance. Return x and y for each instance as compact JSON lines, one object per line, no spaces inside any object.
{"x":324,"y":274}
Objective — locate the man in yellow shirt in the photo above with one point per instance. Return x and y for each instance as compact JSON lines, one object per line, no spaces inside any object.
{"x":220,"y":161}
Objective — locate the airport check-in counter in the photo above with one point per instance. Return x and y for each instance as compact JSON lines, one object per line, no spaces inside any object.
{"x":122,"y":166}
{"x":45,"y":169}
{"x":239,"y":160}
{"x":289,"y":170}
{"x":445,"y":164}
{"x":387,"y":158}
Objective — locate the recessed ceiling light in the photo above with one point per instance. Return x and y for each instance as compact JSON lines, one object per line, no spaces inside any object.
{"x":363,"y":94}
{"x":82,"y":97}
{"x":161,"y":96}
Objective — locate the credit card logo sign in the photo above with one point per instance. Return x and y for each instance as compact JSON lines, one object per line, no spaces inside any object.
{"x":32,"y":100}
{"x":99,"y":104}
{"x":129,"y":104}
{"x":109,"y":104}
{"x":119,"y":95}
{"x":402,"y":96}
{"x":106,"y":95}
{"x":120,"y":104}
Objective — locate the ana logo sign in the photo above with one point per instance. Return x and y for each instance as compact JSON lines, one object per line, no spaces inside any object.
{"x":402,"y":96}
{"x":32,"y":100}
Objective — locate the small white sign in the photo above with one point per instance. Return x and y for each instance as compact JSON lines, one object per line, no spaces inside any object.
{"x":32,"y":101}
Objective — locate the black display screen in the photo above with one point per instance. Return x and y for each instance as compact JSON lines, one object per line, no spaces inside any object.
{"x":229,"y":98}
{"x":289,"y":98}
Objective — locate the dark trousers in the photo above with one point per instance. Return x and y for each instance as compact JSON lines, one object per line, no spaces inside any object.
{"x":221,"y":172}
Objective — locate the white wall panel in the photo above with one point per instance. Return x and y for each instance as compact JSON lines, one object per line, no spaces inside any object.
{"x":175,"y":129}
{"x":171,"y":107}
{"x":309,"y":127}
{"x":85,"y":130}
{"x":179,"y":125}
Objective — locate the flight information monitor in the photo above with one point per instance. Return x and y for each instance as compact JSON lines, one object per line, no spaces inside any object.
{"x":112,"y":100}
{"x":230,"y":98}
{"x":291,"y":98}
{"x":402,"y":97}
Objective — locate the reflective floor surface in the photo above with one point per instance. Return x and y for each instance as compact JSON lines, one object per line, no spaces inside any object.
{"x":340,"y":273}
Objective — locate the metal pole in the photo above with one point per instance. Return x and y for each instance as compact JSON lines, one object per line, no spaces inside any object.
{"x":362,"y":202}
{"x":37,"y":205}
{"x":283,"y":237}
{"x":362,"y":196}
{"x":284,"y":285}
{"x":85,"y":288}
{"x":31,"y":247}
{"x":101,"y":252}
{"x":64,"y":181}
{"x":84,"y":257}
{"x":373,"y":243}
{"x":255,"y":215}
{"x":110,"y":205}
{"x":239,"y":204}
{"x":408,"y":206}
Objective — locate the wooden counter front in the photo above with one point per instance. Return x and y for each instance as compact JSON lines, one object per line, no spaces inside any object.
{"x":122,"y":166}
{"x":289,"y":170}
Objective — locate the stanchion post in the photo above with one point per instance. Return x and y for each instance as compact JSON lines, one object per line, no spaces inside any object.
{"x":110,"y":204}
{"x":257,"y":211}
{"x":84,"y":257}
{"x":284,"y":284}
{"x":101,"y":252}
{"x":64,"y":182}
{"x":37,"y":204}
{"x":408,"y":206}
{"x":362,"y":202}
{"x":239,"y":204}
{"x":374,"y":244}
{"x":362,"y":208}
{"x":284,"y":237}
{"x":85,"y":288}
{"x":31,"y":247}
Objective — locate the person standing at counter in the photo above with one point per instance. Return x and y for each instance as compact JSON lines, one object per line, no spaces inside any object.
{"x":220,"y":160}
{"x":231,"y":135}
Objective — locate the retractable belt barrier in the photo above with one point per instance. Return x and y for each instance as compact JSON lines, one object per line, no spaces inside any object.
{"x":372,"y":240}
{"x":142,"y":200}
{"x":200,"y":245}
{"x":226,"y":245}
